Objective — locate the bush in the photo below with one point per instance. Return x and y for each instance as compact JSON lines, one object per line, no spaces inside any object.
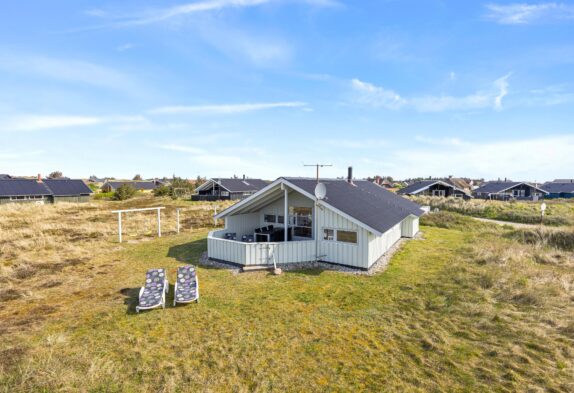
{"x":124,"y":192}
{"x":162,"y":191}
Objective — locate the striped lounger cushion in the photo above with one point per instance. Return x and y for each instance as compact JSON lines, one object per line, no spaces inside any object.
{"x":186,"y":284}
{"x":153,"y":291}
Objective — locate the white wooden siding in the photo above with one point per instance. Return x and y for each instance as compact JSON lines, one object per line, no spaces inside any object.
{"x":410,"y":226}
{"x":241,"y":224}
{"x":338,"y":252}
{"x":378,"y":245}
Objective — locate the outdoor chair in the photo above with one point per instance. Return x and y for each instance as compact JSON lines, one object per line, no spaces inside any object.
{"x":152,"y":295}
{"x":186,"y":285}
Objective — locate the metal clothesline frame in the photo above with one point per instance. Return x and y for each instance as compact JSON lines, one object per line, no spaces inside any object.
{"x":159,"y":209}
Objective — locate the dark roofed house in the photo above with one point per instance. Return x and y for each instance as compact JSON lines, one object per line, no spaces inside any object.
{"x":68,"y":190}
{"x":111,"y":186}
{"x":227,"y":189}
{"x":559,"y":189}
{"x":508,"y":190}
{"x":434,"y":188}
{"x":354,"y":223}
{"x":47,"y":191}
{"x":4,"y":176}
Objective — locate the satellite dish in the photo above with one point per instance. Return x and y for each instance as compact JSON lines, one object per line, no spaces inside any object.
{"x":320,"y":191}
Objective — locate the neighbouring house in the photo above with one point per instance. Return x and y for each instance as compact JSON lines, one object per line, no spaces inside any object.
{"x":434,"y":188}
{"x":559,"y":189}
{"x":508,"y":190}
{"x":144,"y":185}
{"x":43,"y":191}
{"x":68,"y":190}
{"x":353,"y":225}
{"x":4,"y":176}
{"x":382,"y":181}
{"x":227,"y":189}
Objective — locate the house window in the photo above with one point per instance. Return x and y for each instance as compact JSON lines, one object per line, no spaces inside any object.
{"x":269,"y":218}
{"x":518,"y":193}
{"x":280,"y":219}
{"x":347,"y":237}
{"x":225,"y":193}
{"x":439,"y":193}
{"x":328,"y":234}
{"x":301,"y":218}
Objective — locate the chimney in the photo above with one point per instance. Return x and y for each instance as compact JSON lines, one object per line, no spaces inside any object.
{"x":243,"y":177}
{"x":39,"y":178}
{"x":350,"y":175}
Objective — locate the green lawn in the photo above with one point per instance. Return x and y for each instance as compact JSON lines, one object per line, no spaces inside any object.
{"x":433,"y":321}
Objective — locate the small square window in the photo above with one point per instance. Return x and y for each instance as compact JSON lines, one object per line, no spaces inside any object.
{"x":280,"y":219}
{"x":328,"y":234}
{"x":269,"y":218}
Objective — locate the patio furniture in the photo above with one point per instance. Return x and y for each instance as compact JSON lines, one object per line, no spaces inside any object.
{"x":152,"y":295}
{"x":186,"y":285}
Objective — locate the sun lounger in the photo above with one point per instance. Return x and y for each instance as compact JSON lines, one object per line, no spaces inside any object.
{"x":186,"y":285}
{"x":152,"y":295}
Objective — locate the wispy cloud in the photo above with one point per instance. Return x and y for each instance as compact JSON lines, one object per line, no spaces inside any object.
{"x":523,"y":13}
{"x":165,"y":14}
{"x":46,"y":122}
{"x":125,"y":47}
{"x":377,"y":96}
{"x":470,"y":158}
{"x":369,"y":94}
{"x":68,"y":70}
{"x":226,"y":109}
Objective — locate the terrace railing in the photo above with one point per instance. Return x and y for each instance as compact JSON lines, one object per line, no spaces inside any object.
{"x":258,"y":253}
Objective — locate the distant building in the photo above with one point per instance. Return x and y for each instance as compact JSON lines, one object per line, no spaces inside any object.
{"x":228,"y":189}
{"x":437,"y":188}
{"x":559,"y":189}
{"x":507,"y":190}
{"x":111,"y":186}
{"x":43,"y":191}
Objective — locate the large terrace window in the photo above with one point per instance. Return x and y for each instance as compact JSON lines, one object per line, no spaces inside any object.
{"x":301,"y":220}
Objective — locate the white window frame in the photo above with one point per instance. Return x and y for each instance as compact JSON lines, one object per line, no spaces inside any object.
{"x":333,"y":236}
{"x":350,"y":231}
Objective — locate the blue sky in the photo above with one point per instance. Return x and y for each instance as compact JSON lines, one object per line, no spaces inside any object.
{"x":259,"y":87}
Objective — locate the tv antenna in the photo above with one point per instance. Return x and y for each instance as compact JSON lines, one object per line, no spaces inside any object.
{"x":317,"y":166}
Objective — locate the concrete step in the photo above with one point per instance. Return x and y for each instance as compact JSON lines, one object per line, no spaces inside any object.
{"x":255,"y":268}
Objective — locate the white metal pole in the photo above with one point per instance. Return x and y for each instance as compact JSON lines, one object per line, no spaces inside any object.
{"x":177,"y":216}
{"x":158,"y":222}
{"x":120,"y":226}
{"x":286,"y":217}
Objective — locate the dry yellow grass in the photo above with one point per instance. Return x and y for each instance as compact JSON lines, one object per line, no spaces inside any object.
{"x":470,"y":308}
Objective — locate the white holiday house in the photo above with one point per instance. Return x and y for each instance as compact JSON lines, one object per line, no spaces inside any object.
{"x":349,"y":222}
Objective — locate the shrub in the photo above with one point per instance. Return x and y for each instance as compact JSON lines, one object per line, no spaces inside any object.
{"x":162,"y":191}
{"x":124,"y":192}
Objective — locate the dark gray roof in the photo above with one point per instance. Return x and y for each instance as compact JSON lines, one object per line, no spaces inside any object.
{"x":67,"y":187}
{"x":417,"y":186}
{"x":241,"y":185}
{"x":22,"y":187}
{"x":557,"y":188}
{"x":364,"y":201}
{"x":138,"y":185}
{"x":4,"y":176}
{"x":493,"y":187}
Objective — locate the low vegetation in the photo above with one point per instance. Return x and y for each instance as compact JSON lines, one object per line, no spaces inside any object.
{"x":124,"y":192}
{"x":558,"y":212}
{"x":470,"y":307}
